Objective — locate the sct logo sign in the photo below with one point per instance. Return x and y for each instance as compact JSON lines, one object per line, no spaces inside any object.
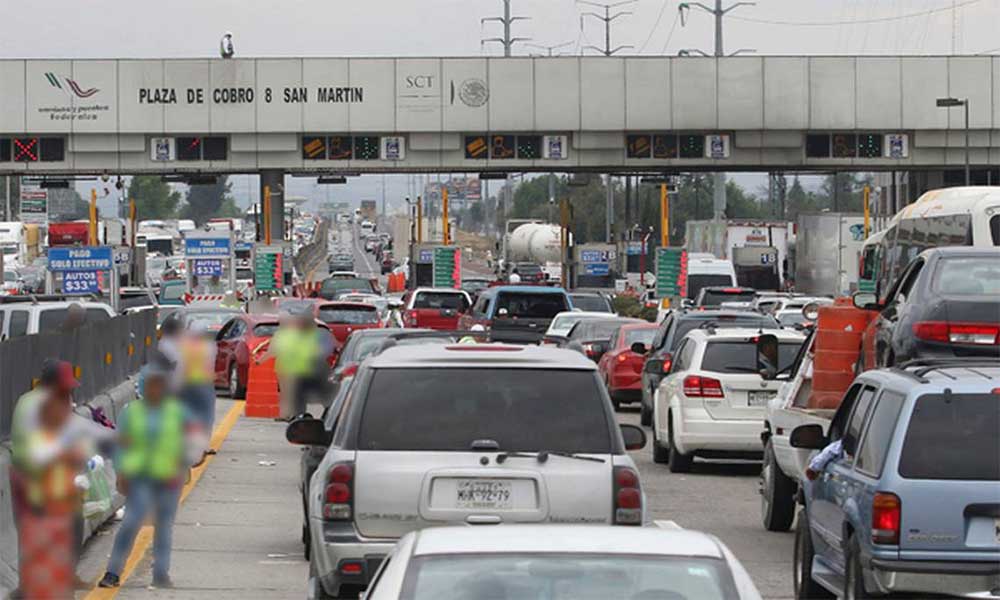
{"x":73,"y":86}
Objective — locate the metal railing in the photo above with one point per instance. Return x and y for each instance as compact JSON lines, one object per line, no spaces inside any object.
{"x":103,"y":354}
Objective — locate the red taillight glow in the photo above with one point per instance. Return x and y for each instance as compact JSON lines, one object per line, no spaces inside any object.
{"x":338,"y":495}
{"x":349,"y":371}
{"x":627,"y":497}
{"x":957,"y":333}
{"x":696,"y":386}
{"x":351,"y":568}
{"x":886,"y":510}
{"x":622,"y":358}
{"x":668,"y":362}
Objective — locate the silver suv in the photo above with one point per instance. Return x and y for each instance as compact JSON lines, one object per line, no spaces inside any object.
{"x":473,"y":434}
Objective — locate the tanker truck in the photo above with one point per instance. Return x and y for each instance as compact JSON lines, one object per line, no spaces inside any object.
{"x":534,"y":242}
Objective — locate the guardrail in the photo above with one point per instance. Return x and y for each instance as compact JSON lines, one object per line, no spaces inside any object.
{"x":103,"y":355}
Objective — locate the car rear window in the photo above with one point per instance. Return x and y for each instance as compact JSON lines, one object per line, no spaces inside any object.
{"x":526,"y":305}
{"x":741,"y":357}
{"x":265,"y":329}
{"x":644,"y":336}
{"x":354,"y":284}
{"x":953,"y":436}
{"x":591,"y":329}
{"x":748,"y":320}
{"x":698,"y":281}
{"x":449,"y":409}
{"x":440,"y":300}
{"x":716,"y":298}
{"x":590,"y":303}
{"x":351,"y":315}
{"x":52,"y":319}
{"x":521,"y":576}
{"x":968,"y":276}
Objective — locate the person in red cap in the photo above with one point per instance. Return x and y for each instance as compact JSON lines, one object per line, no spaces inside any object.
{"x":49,"y":451}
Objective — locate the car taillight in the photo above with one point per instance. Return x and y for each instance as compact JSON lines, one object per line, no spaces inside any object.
{"x":957,"y":333}
{"x":886,"y":510}
{"x":622,"y":358}
{"x":628,"y":497}
{"x":349,"y":371}
{"x":338,"y":501}
{"x":696,"y":386}
{"x":590,"y":350}
{"x":668,"y":361}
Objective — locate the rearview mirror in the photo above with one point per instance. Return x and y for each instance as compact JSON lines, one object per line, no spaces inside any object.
{"x":687,"y":303}
{"x":307,"y":431}
{"x":810,"y":312}
{"x":767,"y":356}
{"x":865,"y":300}
{"x":502,"y":312}
{"x":808,"y":437}
{"x":634,"y":437}
{"x":638,"y":348}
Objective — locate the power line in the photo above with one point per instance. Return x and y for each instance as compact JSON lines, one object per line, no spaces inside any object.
{"x":607,"y":18}
{"x":670,"y":34}
{"x":859,"y":21}
{"x":663,"y":9}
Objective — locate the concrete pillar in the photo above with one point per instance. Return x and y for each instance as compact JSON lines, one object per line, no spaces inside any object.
{"x":275,"y":178}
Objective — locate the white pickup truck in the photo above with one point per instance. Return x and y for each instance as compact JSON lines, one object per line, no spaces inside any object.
{"x":784,"y":467}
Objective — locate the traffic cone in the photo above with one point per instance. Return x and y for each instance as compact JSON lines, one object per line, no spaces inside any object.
{"x":262,"y":399}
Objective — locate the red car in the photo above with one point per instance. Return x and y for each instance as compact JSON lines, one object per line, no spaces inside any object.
{"x":620,"y":367}
{"x":236,"y":344}
{"x":341,"y":318}
{"x":434,"y":308}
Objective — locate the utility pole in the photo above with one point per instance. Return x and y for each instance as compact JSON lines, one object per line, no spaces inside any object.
{"x":607,"y":17}
{"x":718,"y":179}
{"x":550,"y":50}
{"x":506,"y":20}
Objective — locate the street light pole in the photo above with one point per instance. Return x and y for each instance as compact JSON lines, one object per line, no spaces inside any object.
{"x":963,"y":102}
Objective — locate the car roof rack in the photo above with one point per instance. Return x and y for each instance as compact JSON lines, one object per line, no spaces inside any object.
{"x":918,"y":368}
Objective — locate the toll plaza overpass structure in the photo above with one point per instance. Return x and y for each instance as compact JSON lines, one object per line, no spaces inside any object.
{"x":275,"y":116}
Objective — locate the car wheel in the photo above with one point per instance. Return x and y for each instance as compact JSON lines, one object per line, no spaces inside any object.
{"x":645,"y":415}
{"x":678,"y":463}
{"x":777,"y":494}
{"x":805,"y":587}
{"x":854,"y":580}
{"x":660,"y":454}
{"x":236,"y":391}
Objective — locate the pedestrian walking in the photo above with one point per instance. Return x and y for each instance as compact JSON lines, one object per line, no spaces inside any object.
{"x":297,"y":350}
{"x":152,"y":467}
{"x":49,"y":451}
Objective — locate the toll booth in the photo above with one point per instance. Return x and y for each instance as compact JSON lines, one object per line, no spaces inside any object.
{"x":209,"y":254}
{"x":422,"y":273}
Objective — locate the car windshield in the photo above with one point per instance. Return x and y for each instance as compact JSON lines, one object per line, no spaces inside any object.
{"x":566,"y":576}
{"x":527,"y":305}
{"x":347,"y":284}
{"x":953,"y":436}
{"x":440,"y":300}
{"x":748,"y":320}
{"x":292,"y":306}
{"x":968,"y":276}
{"x":590,"y":303}
{"x":51,"y":319}
{"x":717,"y":297}
{"x":351,"y":315}
{"x":265,"y":330}
{"x":696,"y":281}
{"x":643,"y":335}
{"x":790,"y":319}
{"x":741,"y":356}
{"x":595,"y":329}
{"x":208,"y":320}
{"x":520,"y":409}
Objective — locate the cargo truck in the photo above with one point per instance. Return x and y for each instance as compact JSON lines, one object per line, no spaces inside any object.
{"x":827,"y":247}
{"x":757,"y":249}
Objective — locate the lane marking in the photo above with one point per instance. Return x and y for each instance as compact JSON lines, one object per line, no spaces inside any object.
{"x":145,"y":537}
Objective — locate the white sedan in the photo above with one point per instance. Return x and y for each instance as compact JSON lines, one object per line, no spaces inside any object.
{"x":564,"y":321}
{"x":555,"y":562}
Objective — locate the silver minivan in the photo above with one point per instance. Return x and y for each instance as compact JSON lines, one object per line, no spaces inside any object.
{"x":466,"y":433}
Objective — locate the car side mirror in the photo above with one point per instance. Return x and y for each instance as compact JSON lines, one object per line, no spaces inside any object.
{"x":865,"y":300}
{"x":653,"y":366}
{"x":808,"y":437}
{"x":634,"y":437}
{"x":687,"y":303}
{"x":307,"y":431}
{"x":767,"y":356}
{"x":638,"y":348}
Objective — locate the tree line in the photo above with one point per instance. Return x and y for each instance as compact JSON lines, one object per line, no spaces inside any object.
{"x":156,"y":199}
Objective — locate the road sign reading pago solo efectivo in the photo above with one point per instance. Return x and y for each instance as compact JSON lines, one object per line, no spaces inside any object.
{"x":671,"y":272}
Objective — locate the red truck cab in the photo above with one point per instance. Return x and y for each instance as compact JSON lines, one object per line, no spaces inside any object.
{"x":434,"y":308}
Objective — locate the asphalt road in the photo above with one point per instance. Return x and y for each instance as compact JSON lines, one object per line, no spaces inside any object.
{"x":719,"y":498}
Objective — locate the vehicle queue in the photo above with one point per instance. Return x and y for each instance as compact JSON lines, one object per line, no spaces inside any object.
{"x":443,"y":413}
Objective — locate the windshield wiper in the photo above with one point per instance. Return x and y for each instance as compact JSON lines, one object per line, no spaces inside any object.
{"x":543,"y":456}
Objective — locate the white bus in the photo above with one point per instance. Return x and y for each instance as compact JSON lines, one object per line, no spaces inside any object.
{"x":960,"y":216}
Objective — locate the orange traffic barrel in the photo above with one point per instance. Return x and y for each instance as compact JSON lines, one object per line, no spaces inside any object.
{"x":838,"y":344}
{"x":262,"y":399}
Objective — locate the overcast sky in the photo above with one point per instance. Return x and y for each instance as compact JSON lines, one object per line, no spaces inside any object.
{"x":192,"y":28}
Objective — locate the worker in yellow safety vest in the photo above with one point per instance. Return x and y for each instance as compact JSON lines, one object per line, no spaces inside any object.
{"x":298,"y":351}
{"x":152,"y":467}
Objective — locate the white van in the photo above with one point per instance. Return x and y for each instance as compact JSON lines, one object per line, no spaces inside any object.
{"x":26,"y":318}
{"x":704,"y":270}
